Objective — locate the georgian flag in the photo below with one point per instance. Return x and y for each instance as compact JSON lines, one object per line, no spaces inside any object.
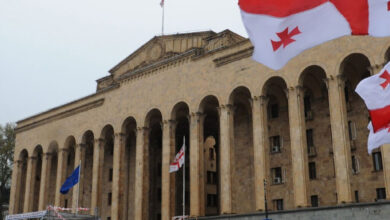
{"x":375,"y":91}
{"x":381,"y":137}
{"x":282,"y":29}
{"x":179,"y":160}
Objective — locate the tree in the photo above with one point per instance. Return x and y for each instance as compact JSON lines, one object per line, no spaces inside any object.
{"x":7,"y":146}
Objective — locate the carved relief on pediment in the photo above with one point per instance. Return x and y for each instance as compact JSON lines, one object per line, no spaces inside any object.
{"x":155,"y":52}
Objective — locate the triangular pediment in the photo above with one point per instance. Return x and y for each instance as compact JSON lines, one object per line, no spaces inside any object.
{"x":161,"y":47}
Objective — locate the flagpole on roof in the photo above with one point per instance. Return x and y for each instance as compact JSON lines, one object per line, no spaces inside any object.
{"x":163,"y":17}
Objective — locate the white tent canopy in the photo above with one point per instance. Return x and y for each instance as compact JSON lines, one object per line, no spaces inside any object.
{"x":39,"y":214}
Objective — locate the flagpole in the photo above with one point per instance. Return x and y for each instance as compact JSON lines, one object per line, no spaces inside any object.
{"x":163,"y":18}
{"x":184,"y":178}
{"x":78,"y":191}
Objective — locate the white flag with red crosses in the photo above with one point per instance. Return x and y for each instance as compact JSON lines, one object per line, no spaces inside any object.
{"x":375,"y":91}
{"x":179,"y":160}
{"x":282,"y":29}
{"x":381,"y":137}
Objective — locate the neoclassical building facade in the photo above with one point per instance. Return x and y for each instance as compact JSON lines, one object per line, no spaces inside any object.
{"x":303,"y":129}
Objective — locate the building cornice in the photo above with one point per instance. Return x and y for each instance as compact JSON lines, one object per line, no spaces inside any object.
{"x":62,"y":114}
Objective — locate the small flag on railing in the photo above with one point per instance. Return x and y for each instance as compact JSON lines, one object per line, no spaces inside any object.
{"x":72,"y":180}
{"x":179,"y":160}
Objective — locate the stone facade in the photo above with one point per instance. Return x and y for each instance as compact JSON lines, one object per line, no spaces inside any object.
{"x":302,"y":129}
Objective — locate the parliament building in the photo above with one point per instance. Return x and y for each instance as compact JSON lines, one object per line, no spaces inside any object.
{"x":302,"y":129}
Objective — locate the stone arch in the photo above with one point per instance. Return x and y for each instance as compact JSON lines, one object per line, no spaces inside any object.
{"x":36,"y":176}
{"x":211,"y":129}
{"x":129,"y":127}
{"x":179,"y":114}
{"x":107,"y":136}
{"x":70,"y":141}
{"x":242,"y":151}
{"x":86,"y":176}
{"x":278,"y":149}
{"x":21,"y":181}
{"x":318,"y":133}
{"x":152,"y":200}
{"x":353,"y":69}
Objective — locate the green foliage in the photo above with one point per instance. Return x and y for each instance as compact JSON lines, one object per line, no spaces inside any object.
{"x":7,"y":146}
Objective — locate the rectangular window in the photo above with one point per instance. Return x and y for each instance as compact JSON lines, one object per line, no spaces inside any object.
{"x":66,"y":203}
{"x":211,"y":153}
{"x":274,"y":111}
{"x":312,"y":170}
{"x":380,"y":193}
{"x":211,"y":177}
{"x":278,"y":204}
{"x":277,"y":175}
{"x":307,"y":104}
{"x":211,"y":200}
{"x":314,"y":201}
{"x":352,"y":130}
{"x":108,"y":218}
{"x":68,"y":161}
{"x":159,"y":216}
{"x":309,"y":138}
{"x":109,"y":199}
{"x":110,"y":173}
{"x":275,"y":145}
{"x":356,"y":196}
{"x":355,"y":165}
{"x":377,"y":160}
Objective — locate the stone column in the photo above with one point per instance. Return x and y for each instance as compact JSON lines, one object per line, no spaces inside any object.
{"x":61,"y":174}
{"x":30,"y":179}
{"x":340,"y":138}
{"x":167,"y":128}
{"x":15,"y":187}
{"x":117,"y":181}
{"x":78,"y":189}
{"x":172,"y":177}
{"x":139,"y":180}
{"x":98,"y":158}
{"x":45,"y":176}
{"x":196,"y":168}
{"x":260,"y":143}
{"x":298,"y":146}
{"x":226,"y":135}
{"x":385,"y":149}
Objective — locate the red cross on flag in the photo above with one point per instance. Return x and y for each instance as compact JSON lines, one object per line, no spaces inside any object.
{"x":282,"y":29}
{"x":381,"y":137}
{"x":375,"y":91}
{"x":179,"y":160}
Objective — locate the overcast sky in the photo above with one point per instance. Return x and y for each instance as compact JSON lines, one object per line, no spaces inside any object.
{"x":52,"y":51}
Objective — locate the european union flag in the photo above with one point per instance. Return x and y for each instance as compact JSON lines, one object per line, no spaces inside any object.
{"x":72,"y":180}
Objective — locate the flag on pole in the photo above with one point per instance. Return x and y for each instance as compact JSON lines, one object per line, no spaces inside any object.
{"x":282,"y":29}
{"x":72,"y":180}
{"x":375,"y":140}
{"x":162,"y":3}
{"x":375,"y":91}
{"x":179,"y":160}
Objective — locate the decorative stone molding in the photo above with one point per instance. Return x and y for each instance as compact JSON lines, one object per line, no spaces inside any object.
{"x":233,"y":57}
{"x":61,"y":115}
